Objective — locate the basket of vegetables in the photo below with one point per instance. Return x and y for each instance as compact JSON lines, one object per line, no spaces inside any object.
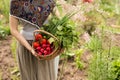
{"x":58,"y":35}
{"x":46,"y":45}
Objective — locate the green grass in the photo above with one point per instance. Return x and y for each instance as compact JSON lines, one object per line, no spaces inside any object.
{"x":110,"y":29}
{"x":94,"y":44}
{"x":15,"y":73}
{"x":101,"y":62}
{"x":78,"y":54}
{"x":116,"y":68}
{"x":4,"y":9}
{"x":14,"y":47}
{"x":4,"y":31}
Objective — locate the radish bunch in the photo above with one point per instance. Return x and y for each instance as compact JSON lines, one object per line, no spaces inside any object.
{"x":41,"y":45}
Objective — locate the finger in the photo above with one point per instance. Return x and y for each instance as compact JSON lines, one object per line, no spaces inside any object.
{"x":37,"y":56}
{"x":34,"y":54}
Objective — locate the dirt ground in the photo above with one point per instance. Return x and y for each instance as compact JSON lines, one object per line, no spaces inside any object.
{"x":7,"y":62}
{"x":6,"y":58}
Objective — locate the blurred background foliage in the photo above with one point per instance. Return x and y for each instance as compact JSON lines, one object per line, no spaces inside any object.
{"x":4,"y":19}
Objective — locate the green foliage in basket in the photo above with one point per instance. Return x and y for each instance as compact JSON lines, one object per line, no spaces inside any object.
{"x":64,"y":29}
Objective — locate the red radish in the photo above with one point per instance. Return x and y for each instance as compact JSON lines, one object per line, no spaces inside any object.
{"x":45,"y":52}
{"x":44,"y":45}
{"x":38,"y":36}
{"x":42,"y":50}
{"x":48,"y":48}
{"x":49,"y":52}
{"x":48,"y":42}
{"x":43,"y":41}
{"x":39,"y":53}
{"x":38,"y":48}
{"x":35,"y":44}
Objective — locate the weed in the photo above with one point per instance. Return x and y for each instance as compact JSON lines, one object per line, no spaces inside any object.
{"x":78,"y":61}
{"x":13,"y":47}
{"x":4,"y":9}
{"x":4,"y":31}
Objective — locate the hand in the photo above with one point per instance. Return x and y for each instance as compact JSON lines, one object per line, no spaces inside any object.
{"x":34,"y":54}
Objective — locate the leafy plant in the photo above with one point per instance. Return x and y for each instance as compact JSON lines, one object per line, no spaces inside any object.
{"x":94,"y":44}
{"x":116,"y":69}
{"x":78,"y":62}
{"x":64,"y":29}
{"x":4,"y":31}
{"x":107,"y":5}
{"x":99,"y":68}
{"x":101,"y":63}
